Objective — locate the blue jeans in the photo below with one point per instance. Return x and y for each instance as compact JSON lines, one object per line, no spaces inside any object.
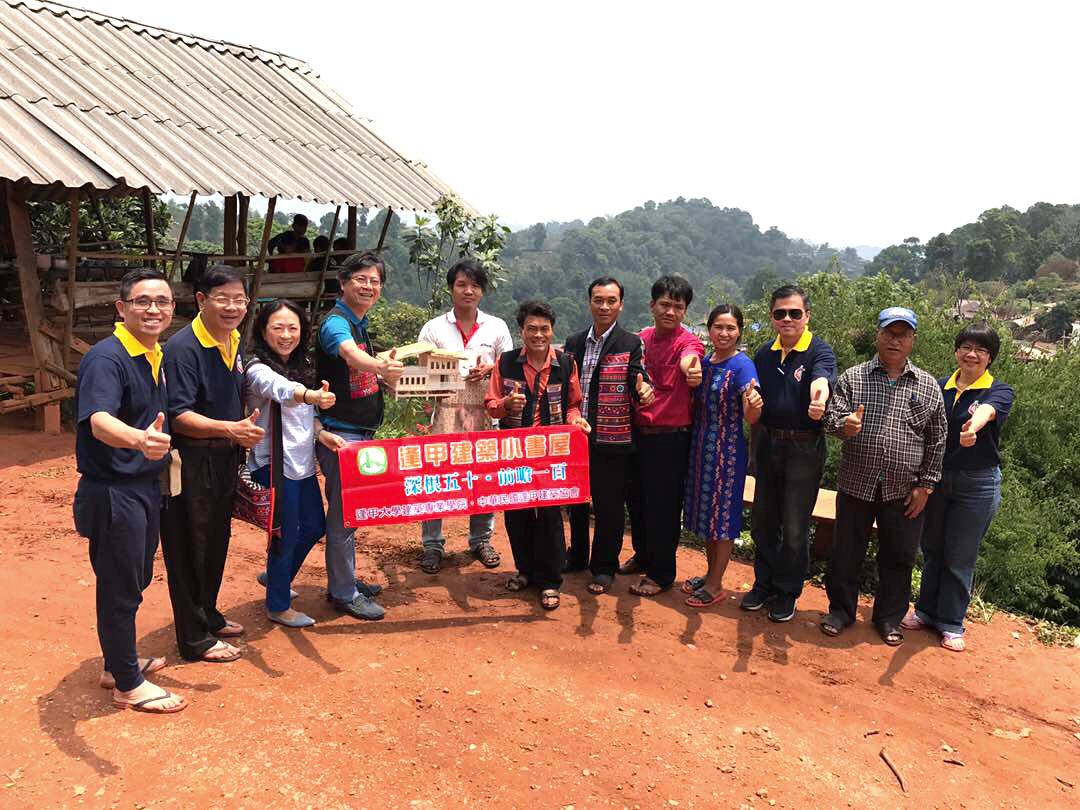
{"x":340,"y":540}
{"x":302,"y":524}
{"x":480,"y":530}
{"x":957,"y":517}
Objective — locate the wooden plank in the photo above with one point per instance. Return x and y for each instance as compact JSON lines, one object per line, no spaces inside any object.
{"x":81,"y":346}
{"x":256,"y":282}
{"x":73,"y":250}
{"x":385,"y":229}
{"x":42,"y":347}
{"x":228,"y":238}
{"x":34,"y":400}
{"x":183,"y":235}
{"x":148,"y":222}
{"x":824,"y":507}
{"x":350,"y":228}
{"x":323,"y":265}
{"x":243,"y":202}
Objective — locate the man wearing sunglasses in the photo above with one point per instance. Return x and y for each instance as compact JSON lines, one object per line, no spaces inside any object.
{"x":796,"y":372}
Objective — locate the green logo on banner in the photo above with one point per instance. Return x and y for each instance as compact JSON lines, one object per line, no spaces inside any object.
{"x":371,"y":461}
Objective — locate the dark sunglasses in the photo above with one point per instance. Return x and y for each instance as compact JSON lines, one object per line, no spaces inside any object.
{"x":780,"y":314}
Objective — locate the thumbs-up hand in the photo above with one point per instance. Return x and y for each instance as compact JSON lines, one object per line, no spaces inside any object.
{"x":817,"y":405}
{"x":692,"y":371}
{"x":153,"y":443}
{"x":515,"y":402}
{"x":323,"y":397}
{"x":479,"y":371}
{"x":752,"y":400}
{"x":967,"y":435}
{"x":246,"y":432}
{"x":645,"y":392}
{"x":581,"y":422}
{"x":391,"y":369}
{"x":853,"y":423}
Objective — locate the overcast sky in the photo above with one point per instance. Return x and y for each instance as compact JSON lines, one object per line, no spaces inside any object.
{"x":852,"y":123}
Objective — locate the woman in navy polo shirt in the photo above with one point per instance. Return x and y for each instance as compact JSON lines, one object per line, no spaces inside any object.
{"x":959,"y":511}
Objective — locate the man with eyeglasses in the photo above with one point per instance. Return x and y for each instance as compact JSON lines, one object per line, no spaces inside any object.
{"x":121,"y":448}
{"x":205,"y":371}
{"x":890,"y":415}
{"x":346,"y":359}
{"x":795,"y":372}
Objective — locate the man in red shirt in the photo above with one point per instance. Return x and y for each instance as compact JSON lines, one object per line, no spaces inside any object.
{"x":536,"y":385}
{"x":662,"y":434}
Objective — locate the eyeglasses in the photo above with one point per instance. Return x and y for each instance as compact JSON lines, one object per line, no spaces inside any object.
{"x":967,"y":348}
{"x":224,"y":300}
{"x":780,"y":314}
{"x":364,"y":281}
{"x":142,"y":303}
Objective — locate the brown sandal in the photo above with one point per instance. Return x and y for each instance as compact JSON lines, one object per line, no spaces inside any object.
{"x":549,"y":599}
{"x":646,"y":588}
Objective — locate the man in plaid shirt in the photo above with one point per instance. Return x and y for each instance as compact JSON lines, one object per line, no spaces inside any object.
{"x":891,"y":418}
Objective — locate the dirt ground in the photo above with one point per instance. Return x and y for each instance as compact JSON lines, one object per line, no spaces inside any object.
{"x":468,"y":696}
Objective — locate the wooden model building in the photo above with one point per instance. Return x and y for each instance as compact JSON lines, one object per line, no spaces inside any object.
{"x":436,"y":374}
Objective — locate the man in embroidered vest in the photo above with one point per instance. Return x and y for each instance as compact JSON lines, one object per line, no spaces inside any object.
{"x":537,"y":385}
{"x":121,"y":448}
{"x":205,"y":373}
{"x":795,"y":372}
{"x":484,"y":337}
{"x":613,"y":380}
{"x":345,"y":358}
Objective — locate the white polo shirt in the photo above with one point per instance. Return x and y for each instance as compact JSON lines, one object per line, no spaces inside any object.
{"x":490,"y":338}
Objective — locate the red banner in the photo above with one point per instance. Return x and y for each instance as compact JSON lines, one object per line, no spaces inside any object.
{"x":455,"y":474}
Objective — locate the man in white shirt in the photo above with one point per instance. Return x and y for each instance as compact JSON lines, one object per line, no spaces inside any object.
{"x":484,"y":337}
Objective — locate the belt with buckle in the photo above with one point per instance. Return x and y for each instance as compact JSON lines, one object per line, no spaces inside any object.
{"x":777,"y":433}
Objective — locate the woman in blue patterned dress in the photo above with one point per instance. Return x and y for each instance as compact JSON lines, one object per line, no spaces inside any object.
{"x":713,"y":505}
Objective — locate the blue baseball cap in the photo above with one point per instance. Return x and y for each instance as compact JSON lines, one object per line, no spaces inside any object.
{"x":894,"y":314}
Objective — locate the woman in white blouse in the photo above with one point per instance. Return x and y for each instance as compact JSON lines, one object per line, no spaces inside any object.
{"x":280,"y":371}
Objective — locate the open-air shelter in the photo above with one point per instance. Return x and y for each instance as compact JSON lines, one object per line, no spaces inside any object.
{"x":94,"y":106}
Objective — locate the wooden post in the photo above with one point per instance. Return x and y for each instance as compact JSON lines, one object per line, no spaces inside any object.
{"x":229,"y":236}
{"x":243,"y":201}
{"x":72,"y":258}
{"x":350,"y":228}
{"x":176,"y":274}
{"x":321,"y":284}
{"x":249,"y":318}
{"x":44,"y":349}
{"x":148,"y":220}
{"x":385,"y":228}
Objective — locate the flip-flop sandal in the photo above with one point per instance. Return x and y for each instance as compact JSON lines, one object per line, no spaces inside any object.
{"x":831,"y":625}
{"x":953,"y":641}
{"x":692,"y":584}
{"x":146,"y":669}
{"x":487,"y":555}
{"x":144,"y":705}
{"x":913,"y":622}
{"x":601,"y":583}
{"x":549,"y":599}
{"x":230,"y":630}
{"x":703,"y":599}
{"x":646,"y":588}
{"x":223,"y":659}
{"x":517,"y":583}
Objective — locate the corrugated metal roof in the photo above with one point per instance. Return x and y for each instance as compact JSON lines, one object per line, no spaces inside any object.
{"x":92,"y":100}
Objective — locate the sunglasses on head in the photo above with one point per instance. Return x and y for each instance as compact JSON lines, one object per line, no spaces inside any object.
{"x":780,"y":314}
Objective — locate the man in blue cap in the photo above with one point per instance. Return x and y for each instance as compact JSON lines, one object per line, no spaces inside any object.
{"x":891,"y":418}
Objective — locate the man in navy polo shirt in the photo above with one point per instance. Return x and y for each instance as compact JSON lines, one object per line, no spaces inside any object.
{"x":206,"y":411}
{"x":796,"y":372}
{"x":121,"y":448}
{"x":345,"y":358}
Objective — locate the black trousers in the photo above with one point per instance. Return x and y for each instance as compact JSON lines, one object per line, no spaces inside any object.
{"x":660,"y":471}
{"x":898,"y":543}
{"x":788,"y":474}
{"x":608,"y":478}
{"x":537,"y":540}
{"x":121,"y":521}
{"x":195,"y":533}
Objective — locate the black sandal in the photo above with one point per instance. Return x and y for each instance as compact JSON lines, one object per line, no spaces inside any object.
{"x":601,"y":583}
{"x":487,"y":555}
{"x":832,"y":625}
{"x":431,"y":561}
{"x":891,"y":635}
{"x":549,"y":599}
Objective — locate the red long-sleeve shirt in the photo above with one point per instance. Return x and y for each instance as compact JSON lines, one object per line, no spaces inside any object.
{"x":495,"y":402}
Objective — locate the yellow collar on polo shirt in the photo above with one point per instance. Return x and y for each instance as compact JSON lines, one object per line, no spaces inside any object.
{"x":228,"y":353}
{"x":135,"y":348}
{"x":801,"y":345}
{"x":984,"y":381}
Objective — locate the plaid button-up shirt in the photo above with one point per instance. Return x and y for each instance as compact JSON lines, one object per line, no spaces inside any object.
{"x":902,"y":441}
{"x":593,"y":345}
